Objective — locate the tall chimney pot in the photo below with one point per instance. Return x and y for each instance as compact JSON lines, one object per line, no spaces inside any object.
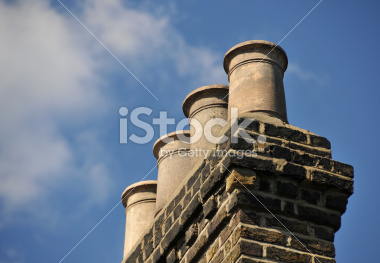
{"x":139,"y":200}
{"x":201,"y":106}
{"x":255,"y":71}
{"x":173,"y":162}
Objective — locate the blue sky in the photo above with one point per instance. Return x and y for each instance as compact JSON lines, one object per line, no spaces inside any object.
{"x":62,"y":168}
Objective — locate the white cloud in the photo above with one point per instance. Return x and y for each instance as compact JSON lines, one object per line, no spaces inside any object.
{"x":51,"y":83}
{"x":47,"y":82}
{"x":144,"y":38}
{"x":320,"y":79}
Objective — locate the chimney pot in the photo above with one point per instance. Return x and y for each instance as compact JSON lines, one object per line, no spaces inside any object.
{"x":139,"y":200}
{"x":202,"y":105}
{"x":173,"y":164}
{"x":255,"y":71}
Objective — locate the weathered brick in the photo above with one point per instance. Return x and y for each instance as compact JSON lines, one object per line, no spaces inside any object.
{"x":245,"y":247}
{"x":170,"y":236}
{"x":255,"y":163}
{"x":336,"y":201}
{"x":302,"y":158}
{"x":253,"y":125}
{"x":228,"y":229}
{"x":294,"y":171}
{"x":250,"y":248}
{"x":157,"y":238}
{"x":168,"y":223}
{"x":324,"y":233}
{"x":189,"y":210}
{"x":240,"y":178}
{"x":195,"y":249}
{"x":307,"y":149}
{"x":169,"y":208}
{"x":134,"y":255}
{"x":205,"y":172}
{"x":285,"y":188}
{"x":219,"y":257}
{"x":244,"y":259}
{"x":191,"y":234}
{"x":324,"y":260}
{"x":277,"y":151}
{"x":319,"y":141}
{"x":210,"y":183}
{"x":220,"y":217}
{"x":310,"y":196}
{"x":209,"y":207}
{"x":343,"y":169}
{"x":287,"y":255}
{"x":292,"y":225}
{"x":318,"y":216}
{"x":177,"y":211}
{"x":158,"y":222}
{"x":247,"y":199}
{"x":323,"y":163}
{"x":196,"y":186}
{"x":288,"y":208}
{"x":171,"y":257}
{"x":319,"y":247}
{"x":248,"y":217}
{"x":239,"y":143}
{"x":157,"y":256}
{"x":148,"y":249}
{"x":330,"y":180}
{"x":264,"y":184}
{"x":148,"y":236}
{"x":262,"y":235}
{"x":285,"y":133}
{"x":179,"y":196}
{"x":212,"y":250}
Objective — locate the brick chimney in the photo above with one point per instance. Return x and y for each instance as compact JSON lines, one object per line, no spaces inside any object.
{"x":276,"y":196}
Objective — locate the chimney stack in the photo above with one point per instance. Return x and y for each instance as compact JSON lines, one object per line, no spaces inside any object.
{"x":139,"y":200}
{"x":255,"y":71}
{"x":205,"y":106}
{"x":280,"y":202}
{"x":171,"y":151}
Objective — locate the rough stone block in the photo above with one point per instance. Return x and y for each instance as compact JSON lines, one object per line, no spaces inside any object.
{"x":284,"y":255}
{"x":330,"y":180}
{"x":240,"y":178}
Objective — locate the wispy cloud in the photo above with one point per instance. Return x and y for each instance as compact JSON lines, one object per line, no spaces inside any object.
{"x":320,"y":79}
{"x":48,"y":84}
{"x":51,"y":90}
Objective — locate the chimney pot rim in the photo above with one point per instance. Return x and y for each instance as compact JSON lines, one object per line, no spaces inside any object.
{"x":142,"y":184}
{"x":160,"y":142}
{"x":189,"y":100}
{"x":248,"y":43}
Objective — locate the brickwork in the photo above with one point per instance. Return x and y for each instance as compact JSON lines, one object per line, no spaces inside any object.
{"x":282,"y":205}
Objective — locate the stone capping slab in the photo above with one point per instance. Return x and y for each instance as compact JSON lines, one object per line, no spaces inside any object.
{"x":203,"y":169}
{"x":270,"y":126}
{"x":294,"y":171}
